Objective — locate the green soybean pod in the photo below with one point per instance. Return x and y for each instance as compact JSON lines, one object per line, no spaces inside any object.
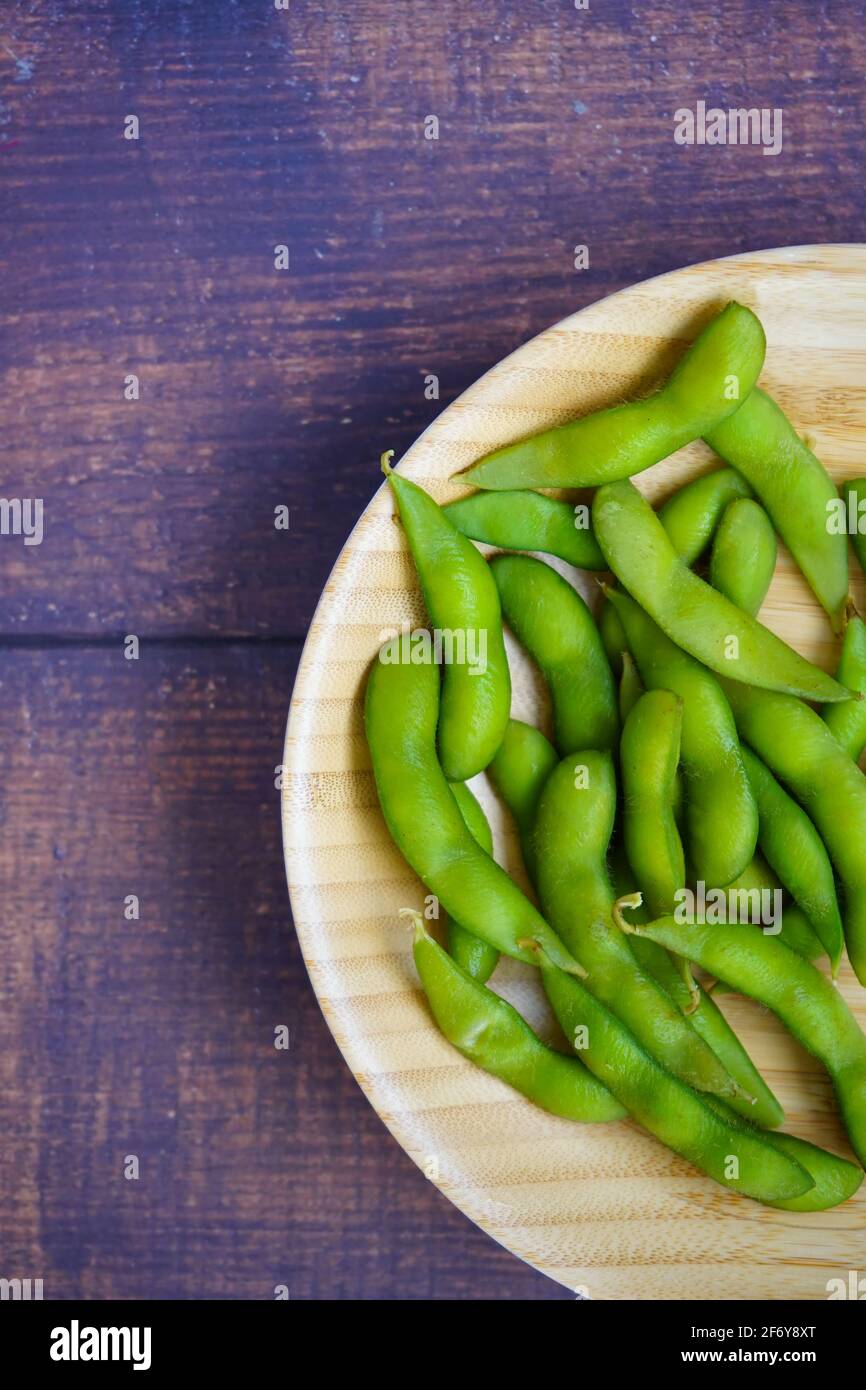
{"x":691,"y":514}
{"x":753,"y":888}
{"x":696,"y":617}
{"x":613,"y":636}
{"x":854,"y":508}
{"x":796,"y":490}
{"x":649,"y":756}
{"x":795,"y":850}
{"x":721,"y":815}
{"x":753,"y":885}
{"x":679,"y":800}
{"x":808,"y":1004}
{"x":487,"y":1030}
{"x":847,"y":722}
{"x":797,"y":853}
{"x":630,"y":686}
{"x":478,"y":958}
{"x":675,"y":1114}
{"x":798,"y":748}
{"x":854,"y":516}
{"x":798,"y":933}
{"x":743,"y":556}
{"x":526,"y":520}
{"x":573,"y":828}
{"x":625,"y":439}
{"x":400,"y":715}
{"x":463,"y":603}
{"x":550,"y":619}
{"x":519,"y":771}
{"x":755,"y":1101}
{"x":835,"y":1179}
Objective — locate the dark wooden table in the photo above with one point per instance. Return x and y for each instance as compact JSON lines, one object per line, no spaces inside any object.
{"x":261,"y":388}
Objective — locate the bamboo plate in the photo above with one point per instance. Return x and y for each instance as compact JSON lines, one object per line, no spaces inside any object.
{"x":604,"y":1209}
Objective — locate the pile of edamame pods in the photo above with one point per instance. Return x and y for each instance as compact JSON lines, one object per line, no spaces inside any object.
{"x":692,"y":749}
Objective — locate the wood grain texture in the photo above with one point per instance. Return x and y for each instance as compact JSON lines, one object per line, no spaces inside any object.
{"x":156,"y":1037}
{"x":604,"y":1208}
{"x":259,"y":390}
{"x":408,"y":256}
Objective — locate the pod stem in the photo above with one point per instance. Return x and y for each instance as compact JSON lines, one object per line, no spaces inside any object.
{"x":568,"y":965}
{"x":631,"y":900}
{"x":840,"y":618}
{"x":417,"y":921}
{"x":385,"y":462}
{"x":691,"y":984}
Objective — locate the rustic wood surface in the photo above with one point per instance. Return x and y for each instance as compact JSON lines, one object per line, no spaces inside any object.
{"x":262,"y":388}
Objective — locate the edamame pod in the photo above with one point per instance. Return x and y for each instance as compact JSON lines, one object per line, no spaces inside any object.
{"x":721,"y":815}
{"x":696,"y":617}
{"x":464,"y":610}
{"x":756,"y":1101}
{"x":835,"y":1179}
{"x":683,"y":1120}
{"x":854,"y":500}
{"x":613,"y":636}
{"x":550,"y":619}
{"x":798,"y":933}
{"x":795,"y":850}
{"x":472,"y":813}
{"x":518,"y":772}
{"x":847,"y":722}
{"x":528,"y":520}
{"x":487,"y":1030}
{"x":807,"y":1003}
{"x":630,"y":686}
{"x":757,"y":877}
{"x":401,"y":712}
{"x":795,"y":488}
{"x":649,"y":755}
{"x":760,"y":884}
{"x":743,"y":557}
{"x":690,"y":516}
{"x":478,"y":958}
{"x":853,"y":493}
{"x":572,"y":833}
{"x":715,"y":374}
{"x":800,"y":750}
